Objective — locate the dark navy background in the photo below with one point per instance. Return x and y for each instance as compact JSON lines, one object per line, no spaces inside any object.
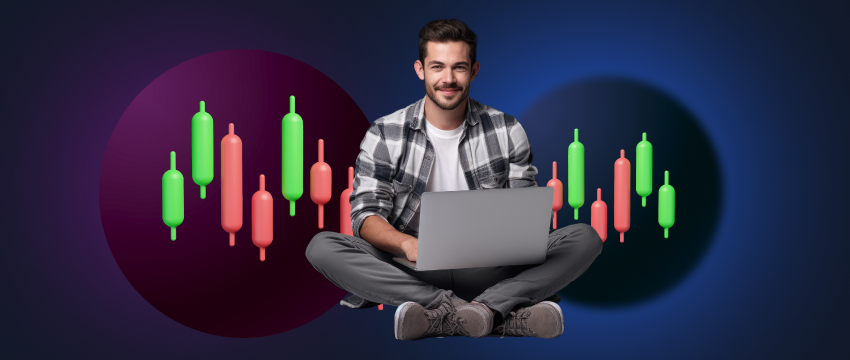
{"x":769,"y":83}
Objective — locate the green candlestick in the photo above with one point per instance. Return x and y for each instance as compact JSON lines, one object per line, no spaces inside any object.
{"x":172,"y":197}
{"x":202,"y":149}
{"x":666,"y":204}
{"x":575,"y":176}
{"x":292,"y":156}
{"x":643,"y":169}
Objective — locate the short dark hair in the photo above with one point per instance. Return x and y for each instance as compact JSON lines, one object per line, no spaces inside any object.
{"x":443,"y":31}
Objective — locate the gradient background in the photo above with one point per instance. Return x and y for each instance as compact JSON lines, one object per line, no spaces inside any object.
{"x":199,"y":280}
{"x":769,"y":83}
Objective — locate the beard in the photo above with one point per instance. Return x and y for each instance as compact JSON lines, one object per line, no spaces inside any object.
{"x":453,"y":101}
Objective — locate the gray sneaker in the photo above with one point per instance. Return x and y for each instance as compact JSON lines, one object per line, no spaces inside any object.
{"x":478,"y":319}
{"x":543,"y":320}
{"x":413,"y":321}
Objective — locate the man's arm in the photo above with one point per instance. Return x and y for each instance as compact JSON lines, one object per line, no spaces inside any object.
{"x":372,"y":197}
{"x":382,"y":235}
{"x":522,"y":173}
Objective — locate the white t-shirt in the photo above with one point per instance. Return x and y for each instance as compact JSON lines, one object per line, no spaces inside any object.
{"x":446,"y":173}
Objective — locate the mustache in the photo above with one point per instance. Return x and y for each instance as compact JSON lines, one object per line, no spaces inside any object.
{"x":453,"y":86}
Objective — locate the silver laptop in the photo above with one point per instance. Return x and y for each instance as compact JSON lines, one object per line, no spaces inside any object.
{"x":482,"y":228}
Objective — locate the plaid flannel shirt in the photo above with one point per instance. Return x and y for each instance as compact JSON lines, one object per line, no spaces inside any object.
{"x":395,"y":161}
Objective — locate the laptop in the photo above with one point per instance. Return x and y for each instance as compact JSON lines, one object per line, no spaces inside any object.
{"x":482,"y":228}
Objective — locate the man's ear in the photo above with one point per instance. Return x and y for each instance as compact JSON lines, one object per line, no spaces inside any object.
{"x":420,"y":71}
{"x":475,"y":68}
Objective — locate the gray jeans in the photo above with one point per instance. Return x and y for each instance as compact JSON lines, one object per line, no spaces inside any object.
{"x":353,"y":264}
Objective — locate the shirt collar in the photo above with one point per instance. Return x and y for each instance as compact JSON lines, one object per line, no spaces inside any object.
{"x":470,"y":119}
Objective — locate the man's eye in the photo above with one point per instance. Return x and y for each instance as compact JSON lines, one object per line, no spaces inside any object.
{"x":436,"y":67}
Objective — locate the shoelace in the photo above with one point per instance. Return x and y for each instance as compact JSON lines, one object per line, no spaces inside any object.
{"x":443,"y":321}
{"x":516,"y":324}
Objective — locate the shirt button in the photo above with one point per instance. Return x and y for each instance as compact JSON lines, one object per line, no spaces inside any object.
{"x":401,"y":227}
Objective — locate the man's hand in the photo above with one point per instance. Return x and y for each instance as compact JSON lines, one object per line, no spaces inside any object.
{"x":410,"y":246}
{"x":382,"y":235}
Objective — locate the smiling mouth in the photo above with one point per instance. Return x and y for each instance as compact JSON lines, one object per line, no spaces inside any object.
{"x":449,"y":91}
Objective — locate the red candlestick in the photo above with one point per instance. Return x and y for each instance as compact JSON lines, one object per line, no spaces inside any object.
{"x":558,"y":199}
{"x":622,"y":186}
{"x":231,"y":184}
{"x":345,"y":206}
{"x":599,"y":216}
{"x":320,"y":183}
{"x":262,"y":218}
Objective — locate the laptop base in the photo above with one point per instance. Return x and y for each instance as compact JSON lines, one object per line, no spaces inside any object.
{"x":405,"y":262}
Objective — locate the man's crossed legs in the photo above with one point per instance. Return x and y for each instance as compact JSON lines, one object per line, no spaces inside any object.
{"x":508,"y":300}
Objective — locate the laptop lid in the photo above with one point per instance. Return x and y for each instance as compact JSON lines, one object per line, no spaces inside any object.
{"x":482,"y":228}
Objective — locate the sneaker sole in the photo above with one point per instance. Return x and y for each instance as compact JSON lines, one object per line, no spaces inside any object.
{"x":402,"y":307}
{"x":559,"y":313}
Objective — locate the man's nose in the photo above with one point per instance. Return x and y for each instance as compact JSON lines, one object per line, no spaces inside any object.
{"x":449,"y":78}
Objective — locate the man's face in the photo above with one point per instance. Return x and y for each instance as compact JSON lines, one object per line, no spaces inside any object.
{"x":447,"y":73}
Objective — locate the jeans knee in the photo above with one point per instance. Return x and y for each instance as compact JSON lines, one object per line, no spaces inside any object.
{"x":591,"y":240}
{"x":317,"y":248}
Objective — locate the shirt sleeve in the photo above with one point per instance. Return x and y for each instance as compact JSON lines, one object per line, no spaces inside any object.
{"x":521,"y":173}
{"x":372,"y":192}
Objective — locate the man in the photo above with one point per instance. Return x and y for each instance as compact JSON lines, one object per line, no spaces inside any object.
{"x":445,"y":142}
